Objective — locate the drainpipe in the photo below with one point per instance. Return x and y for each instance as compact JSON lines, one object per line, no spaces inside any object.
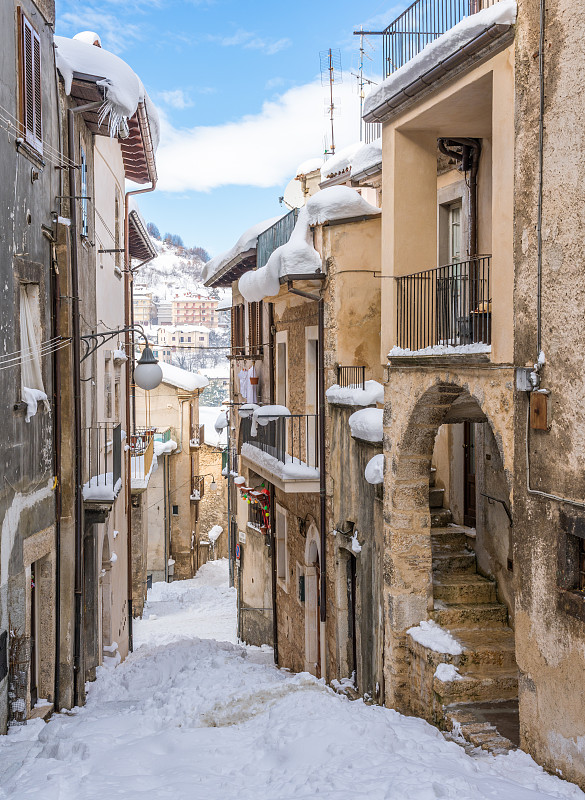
{"x":322,"y":488}
{"x":78,"y":682}
{"x":469,"y":163}
{"x":129,"y":394}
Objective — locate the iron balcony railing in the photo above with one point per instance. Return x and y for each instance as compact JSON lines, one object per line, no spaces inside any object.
{"x":102,"y":460}
{"x":420,"y":24}
{"x":372,"y":131}
{"x":197,"y":488}
{"x":449,"y":305}
{"x":141,"y":454}
{"x":197,"y":436}
{"x":275,"y":236}
{"x":293,"y":439}
{"x":351,"y":377}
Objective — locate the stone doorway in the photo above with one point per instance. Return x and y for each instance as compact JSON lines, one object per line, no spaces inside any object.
{"x":312,"y":610}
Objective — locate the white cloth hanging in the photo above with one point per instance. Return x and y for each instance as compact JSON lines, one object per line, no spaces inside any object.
{"x":252,"y":388}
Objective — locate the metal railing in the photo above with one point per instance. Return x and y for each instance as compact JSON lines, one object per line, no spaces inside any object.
{"x":293,"y":439}
{"x":275,"y":236}
{"x":351,"y":377}
{"x":449,"y":305}
{"x":420,"y":24}
{"x":103,"y":456}
{"x":141,"y":454}
{"x":372,"y":131}
{"x":163,"y":436}
{"x":197,"y":436}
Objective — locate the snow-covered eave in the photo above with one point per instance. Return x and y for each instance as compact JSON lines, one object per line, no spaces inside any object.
{"x":233,"y":270}
{"x":302,"y":276}
{"x":364,"y":174}
{"x":347,"y":220}
{"x":139,"y":243}
{"x":336,"y":179}
{"x":486,"y":44}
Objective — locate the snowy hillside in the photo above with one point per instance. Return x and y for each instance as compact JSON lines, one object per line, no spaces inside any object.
{"x":173,"y":270}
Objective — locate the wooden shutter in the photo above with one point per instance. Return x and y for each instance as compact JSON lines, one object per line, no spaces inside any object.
{"x":255,"y":327}
{"x":238,"y":338}
{"x":31,"y":85}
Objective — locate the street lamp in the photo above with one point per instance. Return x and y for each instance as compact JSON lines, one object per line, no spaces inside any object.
{"x":147,"y":372}
{"x":213,"y":484}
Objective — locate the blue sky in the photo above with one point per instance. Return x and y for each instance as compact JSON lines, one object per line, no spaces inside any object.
{"x":238,"y":87}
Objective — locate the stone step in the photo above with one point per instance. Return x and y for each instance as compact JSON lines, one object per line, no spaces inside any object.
{"x":454,"y":562}
{"x":432,"y":477}
{"x":446,"y":539}
{"x":440,"y":517}
{"x":488,"y":683}
{"x":466,"y":727}
{"x":436,"y":497}
{"x":457,"y":588}
{"x":470,"y":615}
{"x":485,"y":647}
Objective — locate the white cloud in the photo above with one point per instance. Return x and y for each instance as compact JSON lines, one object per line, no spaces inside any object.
{"x":115,"y":35}
{"x":176,"y":98}
{"x":250,"y":41}
{"x":261,"y":149}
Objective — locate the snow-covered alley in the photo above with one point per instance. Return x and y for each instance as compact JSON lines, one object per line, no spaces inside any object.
{"x":193,"y":714}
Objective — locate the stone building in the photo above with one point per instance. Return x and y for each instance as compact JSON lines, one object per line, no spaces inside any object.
{"x":194,"y":309}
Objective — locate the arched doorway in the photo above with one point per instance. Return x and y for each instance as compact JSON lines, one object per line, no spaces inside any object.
{"x":312,"y":615}
{"x":431,"y":566}
{"x":105,"y":598}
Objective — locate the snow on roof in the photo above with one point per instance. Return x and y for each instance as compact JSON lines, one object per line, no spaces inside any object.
{"x":367,"y":158}
{"x":337,"y":203}
{"x":340,"y":162}
{"x":298,"y":256}
{"x":183,"y":328}
{"x":123,"y":88}
{"x":367,"y":424}
{"x":225,"y":303}
{"x":182,"y":378}
{"x":355,"y":395}
{"x":501,"y":13}
{"x":310,"y":165}
{"x":89,"y":37}
{"x":247,"y":241}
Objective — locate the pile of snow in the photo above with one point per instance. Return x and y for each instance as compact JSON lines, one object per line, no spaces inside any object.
{"x":441,"y":350}
{"x":247,"y":409}
{"x":431,"y":635}
{"x":293,"y":469}
{"x":367,"y":424}
{"x":262,"y":415}
{"x":207,"y":418}
{"x":164,"y":448}
{"x":298,"y":256}
{"x":119,"y":355}
{"x":355,"y":545}
{"x":102,"y":487}
{"x":182,"y":378}
{"x":437,"y":51}
{"x":32,"y":398}
{"x":308,"y":166}
{"x":247,"y":241}
{"x":340,"y":162}
{"x":368,"y":158}
{"x":374,"y":471}
{"x":122,"y":86}
{"x":214,"y":534}
{"x":193,"y":714}
{"x":447,"y":673}
{"x":221,"y":422}
{"x":337,"y":203}
{"x":355,"y":395}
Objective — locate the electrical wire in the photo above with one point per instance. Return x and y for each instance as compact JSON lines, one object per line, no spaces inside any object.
{"x":34,"y":351}
{"x":33,"y":358}
{"x":15,"y":123}
{"x":42,"y":344}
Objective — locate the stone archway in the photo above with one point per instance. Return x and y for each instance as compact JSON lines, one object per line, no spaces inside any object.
{"x":419,"y":402}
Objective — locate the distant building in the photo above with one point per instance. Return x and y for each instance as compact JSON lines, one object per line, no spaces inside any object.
{"x":165,"y":314}
{"x":187,"y":339}
{"x":194,"y":309}
{"x":145,"y":310}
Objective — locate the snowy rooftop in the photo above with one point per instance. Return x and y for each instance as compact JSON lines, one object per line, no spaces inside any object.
{"x":183,"y":328}
{"x":308,"y":166}
{"x":182,"y":378}
{"x":432,"y":60}
{"x":247,"y":241}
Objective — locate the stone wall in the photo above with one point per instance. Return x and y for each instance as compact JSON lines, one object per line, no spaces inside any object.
{"x":213,"y":506}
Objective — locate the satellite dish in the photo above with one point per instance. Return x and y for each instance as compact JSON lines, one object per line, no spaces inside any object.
{"x":293,"y":195}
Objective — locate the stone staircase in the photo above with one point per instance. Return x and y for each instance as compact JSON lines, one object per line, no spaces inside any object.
{"x":479,"y":707}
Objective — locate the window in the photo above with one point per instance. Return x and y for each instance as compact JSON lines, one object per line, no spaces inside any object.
{"x":255,"y":328}
{"x":84,"y":217}
{"x":175,"y":511}
{"x":202,"y":338}
{"x":238,"y":334}
{"x":31,"y":93}
{"x":30,"y":337}
{"x":455,"y":233}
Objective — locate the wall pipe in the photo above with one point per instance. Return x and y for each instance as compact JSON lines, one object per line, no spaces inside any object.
{"x":129,"y":395}
{"x":540,"y":179}
{"x":322,"y":485}
{"x":272,"y":392}
{"x":78,"y":682}
{"x":469,"y":160}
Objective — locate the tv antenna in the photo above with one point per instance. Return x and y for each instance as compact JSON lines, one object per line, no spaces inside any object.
{"x":331,"y":73}
{"x":362,"y":81}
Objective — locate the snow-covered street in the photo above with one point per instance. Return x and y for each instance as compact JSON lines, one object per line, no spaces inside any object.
{"x":193,"y":714}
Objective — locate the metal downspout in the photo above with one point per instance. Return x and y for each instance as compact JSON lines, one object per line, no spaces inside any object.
{"x":272,"y":392}
{"x":78,"y":682}
{"x":129,"y":395}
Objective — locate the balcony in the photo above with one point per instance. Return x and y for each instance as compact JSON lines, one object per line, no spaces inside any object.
{"x":421,"y":23}
{"x":197,"y":492}
{"x":285,"y":451}
{"x":102,"y":467}
{"x":351,"y":377}
{"x":141,"y":458}
{"x":445,"y":307}
{"x":275,"y":236}
{"x":197,"y":437}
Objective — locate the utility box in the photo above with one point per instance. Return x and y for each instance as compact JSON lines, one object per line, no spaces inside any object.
{"x":540,"y":416}
{"x":523,"y":382}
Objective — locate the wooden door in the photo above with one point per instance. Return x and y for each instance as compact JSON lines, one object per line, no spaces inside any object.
{"x":352,"y":603}
{"x":469,"y":512}
{"x":33,"y":638}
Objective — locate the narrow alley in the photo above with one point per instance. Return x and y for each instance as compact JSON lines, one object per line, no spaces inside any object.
{"x":193,"y":714}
